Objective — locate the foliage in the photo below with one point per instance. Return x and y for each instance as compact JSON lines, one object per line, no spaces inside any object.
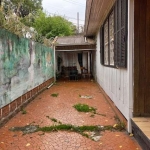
{"x":22,"y":7}
{"x":83,"y":130}
{"x":84,"y":108}
{"x":29,"y":21}
{"x":14,"y":24}
{"x":24,"y":111}
{"x":52,"y":26}
{"x":54,"y":94}
{"x":68,"y":127}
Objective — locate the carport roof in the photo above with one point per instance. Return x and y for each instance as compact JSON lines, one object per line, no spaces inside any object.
{"x":75,"y":43}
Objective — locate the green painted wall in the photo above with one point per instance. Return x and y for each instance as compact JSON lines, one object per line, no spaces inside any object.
{"x":24,"y":64}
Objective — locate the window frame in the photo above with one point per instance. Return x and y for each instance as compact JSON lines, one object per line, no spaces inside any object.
{"x":117,"y":52}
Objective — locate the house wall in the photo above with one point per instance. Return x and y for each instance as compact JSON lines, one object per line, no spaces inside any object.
{"x":26,"y":67}
{"x":118,"y":83}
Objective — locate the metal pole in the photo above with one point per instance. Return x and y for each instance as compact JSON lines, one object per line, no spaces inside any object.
{"x":78,"y":22}
{"x":54,"y":63}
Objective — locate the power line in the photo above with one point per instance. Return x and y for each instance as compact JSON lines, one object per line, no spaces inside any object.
{"x":77,"y":2}
{"x":65,"y":16}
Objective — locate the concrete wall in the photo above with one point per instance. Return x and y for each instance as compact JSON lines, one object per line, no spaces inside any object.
{"x":24,"y":65}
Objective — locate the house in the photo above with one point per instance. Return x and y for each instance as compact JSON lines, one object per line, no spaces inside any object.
{"x":74,"y":52}
{"x":122,"y":32}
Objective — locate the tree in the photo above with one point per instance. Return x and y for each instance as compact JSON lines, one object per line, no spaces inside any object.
{"x":51,"y":26}
{"x":22,"y":7}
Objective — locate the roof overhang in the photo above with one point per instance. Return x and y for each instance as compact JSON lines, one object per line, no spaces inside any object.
{"x":76,"y":47}
{"x":96,"y":12}
{"x":75,"y":43}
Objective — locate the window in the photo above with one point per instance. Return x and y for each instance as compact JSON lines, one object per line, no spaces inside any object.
{"x":113,"y":36}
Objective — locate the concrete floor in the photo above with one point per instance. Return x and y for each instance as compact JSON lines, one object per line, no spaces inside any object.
{"x":44,"y":106}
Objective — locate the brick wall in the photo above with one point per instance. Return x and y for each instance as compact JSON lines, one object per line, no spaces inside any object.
{"x":15,"y":106}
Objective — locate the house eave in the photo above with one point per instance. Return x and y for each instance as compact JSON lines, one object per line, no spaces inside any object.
{"x":96,"y":12}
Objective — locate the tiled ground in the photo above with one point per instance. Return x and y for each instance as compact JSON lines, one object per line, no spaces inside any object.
{"x":61,"y":108}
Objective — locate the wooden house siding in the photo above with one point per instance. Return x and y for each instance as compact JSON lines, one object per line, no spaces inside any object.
{"x":114,"y":82}
{"x":142,"y":58}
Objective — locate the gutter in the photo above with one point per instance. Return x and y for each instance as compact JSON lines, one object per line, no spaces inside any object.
{"x":89,"y":17}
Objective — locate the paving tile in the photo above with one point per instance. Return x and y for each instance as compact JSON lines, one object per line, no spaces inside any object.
{"x":45,"y":107}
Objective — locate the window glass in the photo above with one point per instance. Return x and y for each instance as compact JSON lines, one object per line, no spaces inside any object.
{"x":111,"y":38}
{"x":106,"y":43}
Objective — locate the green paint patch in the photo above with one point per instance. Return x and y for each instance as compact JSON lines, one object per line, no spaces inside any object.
{"x":84,"y":108}
{"x":54,"y":95}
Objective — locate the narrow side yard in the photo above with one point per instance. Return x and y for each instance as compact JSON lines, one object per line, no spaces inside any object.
{"x":68,"y":116}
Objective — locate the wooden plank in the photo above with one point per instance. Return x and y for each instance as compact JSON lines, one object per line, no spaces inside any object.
{"x":136,"y":56}
{"x":142,"y":56}
{"x":147,"y":89}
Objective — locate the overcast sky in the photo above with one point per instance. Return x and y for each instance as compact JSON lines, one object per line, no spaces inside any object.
{"x":67,"y":8}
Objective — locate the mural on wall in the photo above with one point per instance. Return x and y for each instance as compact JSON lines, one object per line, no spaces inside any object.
{"x":24,"y":65}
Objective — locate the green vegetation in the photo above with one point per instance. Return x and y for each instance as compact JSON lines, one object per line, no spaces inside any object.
{"x":22,"y":7}
{"x":52,"y":26}
{"x":84,"y":108}
{"x":32,"y":21}
{"x":54,"y":95}
{"x":67,"y":127}
{"x":83,"y":130}
{"x":53,"y":119}
{"x":23,"y":111}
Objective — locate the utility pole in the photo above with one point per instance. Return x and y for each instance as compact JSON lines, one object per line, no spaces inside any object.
{"x":78,"y":23}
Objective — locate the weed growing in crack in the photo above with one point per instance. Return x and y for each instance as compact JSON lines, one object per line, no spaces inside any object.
{"x":54,"y":120}
{"x":54,"y":95}
{"x":101,"y":114}
{"x":120,"y":125}
{"x":72,"y":128}
{"x":84,"y":108}
{"x":23,"y":111}
{"x":83,"y":130}
{"x":92,"y":115}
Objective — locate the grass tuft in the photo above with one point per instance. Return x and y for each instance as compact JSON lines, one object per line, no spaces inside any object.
{"x":53,"y":119}
{"x":54,"y":95}
{"x":84,"y":108}
{"x":23,"y":111}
